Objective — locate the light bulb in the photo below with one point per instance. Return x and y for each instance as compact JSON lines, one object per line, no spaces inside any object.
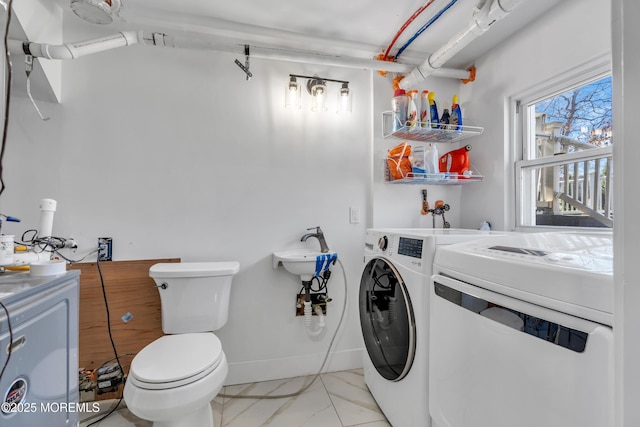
{"x":292,"y":94}
{"x":344,"y":99}
{"x":318,"y":91}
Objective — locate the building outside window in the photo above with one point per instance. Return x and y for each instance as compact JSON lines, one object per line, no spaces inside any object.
{"x":565,"y":175}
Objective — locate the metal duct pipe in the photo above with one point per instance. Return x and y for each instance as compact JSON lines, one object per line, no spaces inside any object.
{"x":77,"y":49}
{"x":486,"y":13}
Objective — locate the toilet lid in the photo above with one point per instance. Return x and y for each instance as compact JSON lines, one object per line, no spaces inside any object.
{"x":177,"y":359}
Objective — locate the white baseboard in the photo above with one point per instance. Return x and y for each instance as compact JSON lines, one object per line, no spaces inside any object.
{"x":289,"y":367}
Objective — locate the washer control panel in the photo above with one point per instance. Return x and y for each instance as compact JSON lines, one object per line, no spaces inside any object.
{"x":410,"y":247}
{"x":391,"y":245}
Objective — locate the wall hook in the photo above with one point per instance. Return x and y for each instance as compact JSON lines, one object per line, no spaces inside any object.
{"x":245,"y":67}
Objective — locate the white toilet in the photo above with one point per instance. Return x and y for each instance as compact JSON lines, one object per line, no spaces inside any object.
{"x":172,"y":381}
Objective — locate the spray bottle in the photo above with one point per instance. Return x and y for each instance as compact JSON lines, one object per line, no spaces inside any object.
{"x":456,"y":114}
{"x":424,"y":109}
{"x":399,"y":104}
{"x":412,"y":109}
{"x":433,"y":109}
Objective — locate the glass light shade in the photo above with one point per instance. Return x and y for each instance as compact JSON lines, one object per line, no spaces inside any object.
{"x":344,"y":99}
{"x":292,"y":94}
{"x":318,"y":96}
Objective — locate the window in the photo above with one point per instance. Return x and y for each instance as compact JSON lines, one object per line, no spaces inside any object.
{"x":564,"y":177}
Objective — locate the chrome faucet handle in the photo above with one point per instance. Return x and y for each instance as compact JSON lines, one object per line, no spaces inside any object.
{"x":317,"y":228}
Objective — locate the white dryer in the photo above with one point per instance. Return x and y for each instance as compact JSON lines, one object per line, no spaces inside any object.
{"x":394,"y":317}
{"x":521,"y":332}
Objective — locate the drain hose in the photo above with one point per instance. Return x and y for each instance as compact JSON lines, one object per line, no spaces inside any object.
{"x":324,"y":361}
{"x":308,"y":319}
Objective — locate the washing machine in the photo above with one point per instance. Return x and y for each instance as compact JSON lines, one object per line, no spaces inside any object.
{"x":521,"y":332}
{"x":394,"y":317}
{"x":39,"y":386}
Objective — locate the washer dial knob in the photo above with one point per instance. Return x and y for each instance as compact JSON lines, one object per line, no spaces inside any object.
{"x":383,"y":242}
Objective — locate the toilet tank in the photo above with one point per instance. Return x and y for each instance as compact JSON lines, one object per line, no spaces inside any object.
{"x":196,"y":295}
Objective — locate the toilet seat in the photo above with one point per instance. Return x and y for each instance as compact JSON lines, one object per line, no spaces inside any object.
{"x":176,"y":360}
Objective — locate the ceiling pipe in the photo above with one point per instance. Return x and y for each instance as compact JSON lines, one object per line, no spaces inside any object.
{"x":128,"y":38}
{"x":290,"y":55}
{"x":77,"y":49}
{"x":486,"y":13}
{"x":209,"y":28}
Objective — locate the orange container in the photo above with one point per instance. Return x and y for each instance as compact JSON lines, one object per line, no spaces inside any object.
{"x":455,"y":161}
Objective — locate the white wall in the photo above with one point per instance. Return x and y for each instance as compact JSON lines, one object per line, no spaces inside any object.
{"x":575,"y":32}
{"x":173,"y":154}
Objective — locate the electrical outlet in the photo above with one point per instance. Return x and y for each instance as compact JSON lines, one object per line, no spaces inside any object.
{"x":354,"y":215}
{"x":105,"y":248}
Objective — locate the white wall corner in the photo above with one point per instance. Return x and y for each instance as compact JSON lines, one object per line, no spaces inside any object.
{"x":41,"y":21}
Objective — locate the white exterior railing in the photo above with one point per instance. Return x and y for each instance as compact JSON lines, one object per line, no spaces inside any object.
{"x":569,"y":184}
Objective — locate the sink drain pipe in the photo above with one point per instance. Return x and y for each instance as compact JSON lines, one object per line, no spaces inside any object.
{"x":309,"y":310}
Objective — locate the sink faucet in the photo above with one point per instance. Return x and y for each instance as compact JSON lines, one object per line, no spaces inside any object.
{"x":318,"y":235}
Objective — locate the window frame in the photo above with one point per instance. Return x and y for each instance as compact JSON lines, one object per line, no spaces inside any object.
{"x":523,"y":146}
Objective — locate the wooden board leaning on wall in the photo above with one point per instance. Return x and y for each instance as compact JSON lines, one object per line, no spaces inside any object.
{"x":129,"y":289}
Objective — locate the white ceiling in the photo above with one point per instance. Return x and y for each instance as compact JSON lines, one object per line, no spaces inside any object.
{"x":356,"y":28}
{"x":359,"y":29}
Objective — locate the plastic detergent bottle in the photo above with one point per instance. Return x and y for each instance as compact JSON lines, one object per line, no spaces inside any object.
{"x":412,"y":108}
{"x":433,"y":111}
{"x":417,"y":160}
{"x":424,"y":109}
{"x":399,"y":105}
{"x":456,"y":161}
{"x":444,"y":120}
{"x":431,"y":159}
{"x":456,"y":114}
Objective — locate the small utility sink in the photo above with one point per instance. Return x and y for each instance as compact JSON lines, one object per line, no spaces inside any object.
{"x":305,"y":263}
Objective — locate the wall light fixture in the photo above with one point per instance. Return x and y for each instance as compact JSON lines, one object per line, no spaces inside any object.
{"x":317,"y":88}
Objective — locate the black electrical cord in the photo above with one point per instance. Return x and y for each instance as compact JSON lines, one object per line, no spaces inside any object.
{"x":8,"y":80}
{"x":50,"y":244}
{"x":322,"y":285}
{"x":113,"y":345}
{"x":7,"y":97}
{"x":73,"y":261}
{"x":10,"y":346}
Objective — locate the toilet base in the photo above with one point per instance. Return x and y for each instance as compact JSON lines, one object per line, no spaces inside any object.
{"x":202,"y":417}
{"x":184,"y":406}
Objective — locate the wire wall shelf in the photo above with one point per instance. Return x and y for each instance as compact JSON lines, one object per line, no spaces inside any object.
{"x":437,"y":179}
{"x":442,"y":178}
{"x":422,"y":131}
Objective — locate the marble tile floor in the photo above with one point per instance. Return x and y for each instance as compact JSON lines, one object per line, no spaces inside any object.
{"x":336,"y":399}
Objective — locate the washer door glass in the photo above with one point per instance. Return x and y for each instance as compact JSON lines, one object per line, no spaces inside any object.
{"x":387,"y":320}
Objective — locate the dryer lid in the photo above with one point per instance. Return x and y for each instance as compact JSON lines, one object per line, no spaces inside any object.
{"x":176,"y":357}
